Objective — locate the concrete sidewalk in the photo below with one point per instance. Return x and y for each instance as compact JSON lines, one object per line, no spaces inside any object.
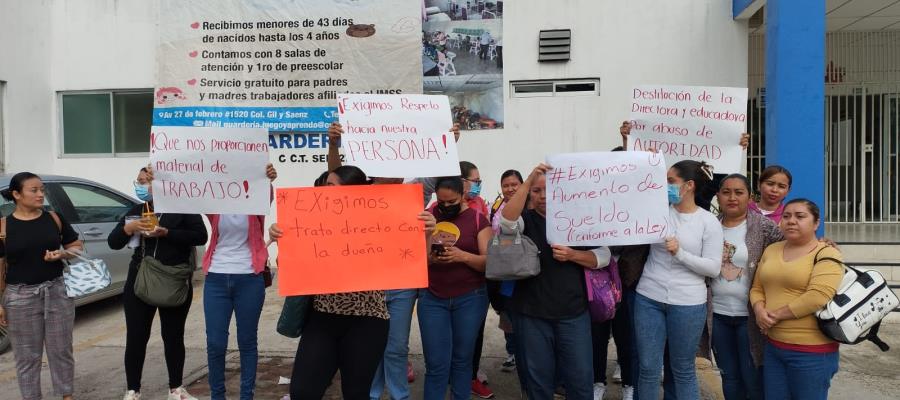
{"x":865,"y":372}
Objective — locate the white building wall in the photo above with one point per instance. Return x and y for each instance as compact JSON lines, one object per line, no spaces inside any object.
{"x":47,"y":46}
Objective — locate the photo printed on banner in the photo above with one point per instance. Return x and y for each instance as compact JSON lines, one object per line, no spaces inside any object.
{"x":462,"y":57}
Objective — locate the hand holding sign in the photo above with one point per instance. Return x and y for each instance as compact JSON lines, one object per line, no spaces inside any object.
{"x":398,"y":136}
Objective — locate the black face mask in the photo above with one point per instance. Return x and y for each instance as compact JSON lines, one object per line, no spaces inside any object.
{"x":449,"y":212}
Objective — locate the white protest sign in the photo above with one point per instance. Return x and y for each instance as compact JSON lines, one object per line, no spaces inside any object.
{"x":398,"y":136}
{"x":210,"y":170}
{"x":607,"y":199}
{"x":690,"y":123}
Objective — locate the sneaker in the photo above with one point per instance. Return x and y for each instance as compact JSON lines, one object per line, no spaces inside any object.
{"x":559,"y":393}
{"x":482,"y":377}
{"x":617,"y":374}
{"x":509,"y":365}
{"x":599,"y":391}
{"x":180,"y":394}
{"x":481,"y":390}
{"x":410,"y":373}
{"x":627,"y":392}
{"x":132,"y":395}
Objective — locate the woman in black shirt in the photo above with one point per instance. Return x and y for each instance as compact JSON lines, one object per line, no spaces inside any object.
{"x":171,"y":242}
{"x":35,"y":304}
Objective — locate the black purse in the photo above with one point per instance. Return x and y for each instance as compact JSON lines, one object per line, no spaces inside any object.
{"x":294,"y":315}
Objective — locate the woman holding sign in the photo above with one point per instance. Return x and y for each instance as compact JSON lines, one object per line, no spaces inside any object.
{"x":552,"y":323}
{"x":453,"y":307}
{"x":670,"y":306}
{"x":234,"y":264}
{"x":170,"y":240}
{"x":344,"y":331}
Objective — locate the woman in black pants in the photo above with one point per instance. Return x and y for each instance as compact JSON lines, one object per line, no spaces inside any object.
{"x":171,"y":241}
{"x":344,"y":331}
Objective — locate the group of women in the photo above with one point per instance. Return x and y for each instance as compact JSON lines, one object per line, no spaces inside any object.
{"x":741,"y":283}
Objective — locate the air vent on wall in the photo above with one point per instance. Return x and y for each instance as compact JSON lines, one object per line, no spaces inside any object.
{"x":554,"y":45}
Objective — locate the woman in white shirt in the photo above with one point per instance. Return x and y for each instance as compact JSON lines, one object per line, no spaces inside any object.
{"x":670,"y":306}
{"x":736,"y":341}
{"x":234,"y":264}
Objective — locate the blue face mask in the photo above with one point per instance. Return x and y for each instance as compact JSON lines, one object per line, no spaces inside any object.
{"x":143,"y":192}
{"x":475,"y":190}
{"x":674,"y":192}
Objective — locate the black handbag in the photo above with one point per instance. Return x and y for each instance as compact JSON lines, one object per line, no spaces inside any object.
{"x":294,"y":314}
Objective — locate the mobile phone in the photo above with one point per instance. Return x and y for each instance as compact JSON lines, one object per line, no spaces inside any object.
{"x":437,"y":248}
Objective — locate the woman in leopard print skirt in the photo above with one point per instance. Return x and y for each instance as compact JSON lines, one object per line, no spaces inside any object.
{"x":344,"y":331}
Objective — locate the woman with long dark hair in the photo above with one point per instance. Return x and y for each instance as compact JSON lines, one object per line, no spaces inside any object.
{"x":35,"y":307}
{"x":670,"y":306}
{"x":170,"y":239}
{"x":344,"y":331}
{"x":453,"y":307}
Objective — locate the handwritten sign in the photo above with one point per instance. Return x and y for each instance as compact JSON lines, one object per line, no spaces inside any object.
{"x":280,"y":64}
{"x":210,"y":170}
{"x":606,"y":199}
{"x":398,"y":136}
{"x":690,"y":123}
{"x":351,"y":238}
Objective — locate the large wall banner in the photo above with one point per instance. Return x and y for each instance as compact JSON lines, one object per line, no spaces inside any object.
{"x":463,"y":59}
{"x":280,"y":64}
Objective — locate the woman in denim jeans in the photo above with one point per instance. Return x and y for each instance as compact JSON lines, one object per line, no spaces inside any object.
{"x":551,"y":320}
{"x":233,"y":263}
{"x":670,"y":305}
{"x":453,"y":307}
{"x":736,"y":341}
{"x":789,"y":287}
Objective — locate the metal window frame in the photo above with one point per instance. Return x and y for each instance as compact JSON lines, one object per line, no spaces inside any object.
{"x":112,"y":121}
{"x":553,"y":84}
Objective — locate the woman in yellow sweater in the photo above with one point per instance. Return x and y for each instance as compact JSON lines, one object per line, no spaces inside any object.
{"x":789,"y":287}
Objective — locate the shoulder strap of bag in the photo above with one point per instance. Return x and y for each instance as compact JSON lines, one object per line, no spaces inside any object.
{"x":3,"y":229}
{"x":56,"y":219}
{"x":816,"y":259}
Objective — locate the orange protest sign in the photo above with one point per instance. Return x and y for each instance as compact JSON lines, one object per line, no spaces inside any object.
{"x":351,"y":238}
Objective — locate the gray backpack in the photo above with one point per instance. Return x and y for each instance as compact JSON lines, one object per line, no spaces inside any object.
{"x":512,"y":257}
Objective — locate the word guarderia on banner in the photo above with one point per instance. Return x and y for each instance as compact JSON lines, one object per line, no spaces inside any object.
{"x":279,"y":64}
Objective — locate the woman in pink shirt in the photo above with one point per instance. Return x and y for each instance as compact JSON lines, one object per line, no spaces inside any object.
{"x":774,"y":185}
